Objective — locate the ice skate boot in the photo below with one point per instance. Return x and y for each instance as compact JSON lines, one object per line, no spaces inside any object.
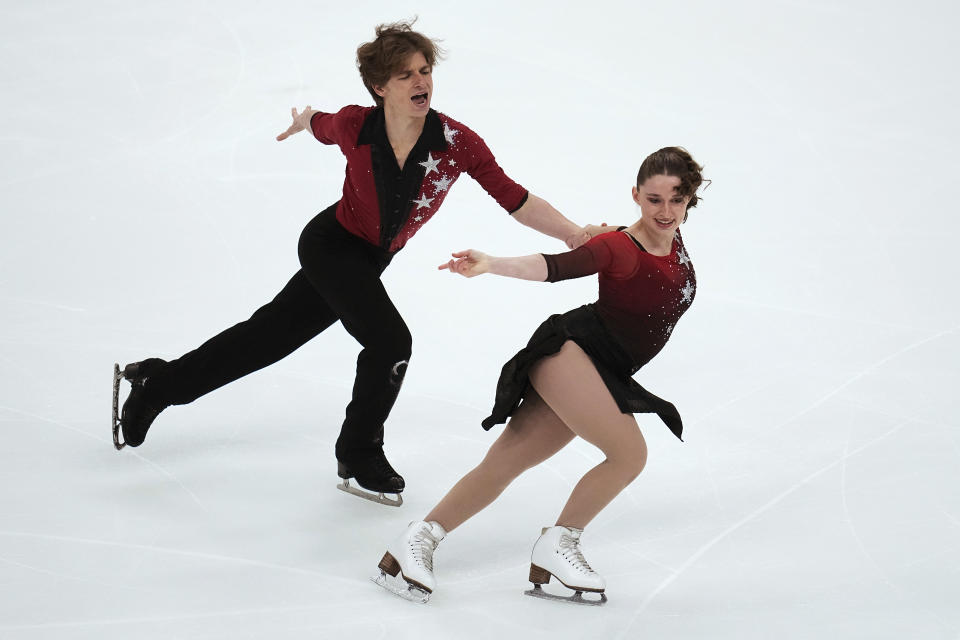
{"x":406,"y":569}
{"x":557,"y":553}
{"x":140,"y":408}
{"x":373,"y":473}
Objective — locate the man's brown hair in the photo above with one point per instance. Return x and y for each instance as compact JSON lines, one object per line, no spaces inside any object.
{"x":389,"y":52}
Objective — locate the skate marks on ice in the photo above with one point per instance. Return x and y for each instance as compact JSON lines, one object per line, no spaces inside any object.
{"x":159,"y":468}
{"x":221,"y":613}
{"x":863,"y":373}
{"x":314,"y":574}
{"x":699,"y":553}
{"x":378,"y":497}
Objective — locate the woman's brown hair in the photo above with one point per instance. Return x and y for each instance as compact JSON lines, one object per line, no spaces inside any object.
{"x":389,"y":51}
{"x":677,"y":162}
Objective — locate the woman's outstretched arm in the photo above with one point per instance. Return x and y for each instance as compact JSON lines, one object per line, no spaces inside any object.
{"x":472,"y":263}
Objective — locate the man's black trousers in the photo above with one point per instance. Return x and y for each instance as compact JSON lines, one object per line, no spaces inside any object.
{"x":339,"y":279}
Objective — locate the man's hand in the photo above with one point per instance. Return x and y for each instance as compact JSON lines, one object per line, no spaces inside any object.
{"x":301,"y":121}
{"x":578,"y":238}
{"x":595,"y":230}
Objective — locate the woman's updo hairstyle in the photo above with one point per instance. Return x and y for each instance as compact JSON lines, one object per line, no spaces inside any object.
{"x":677,"y":162}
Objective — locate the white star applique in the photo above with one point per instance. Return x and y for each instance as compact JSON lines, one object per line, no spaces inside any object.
{"x":417,"y":218}
{"x":430,"y":164}
{"x":449,"y":133}
{"x":423,"y":202}
{"x":453,"y":163}
{"x":682,"y":257}
{"x":443,"y":183}
{"x":687,"y":292}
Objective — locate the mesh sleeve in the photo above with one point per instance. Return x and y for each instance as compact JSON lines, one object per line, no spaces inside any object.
{"x":595,"y":256}
{"x":572,"y":264}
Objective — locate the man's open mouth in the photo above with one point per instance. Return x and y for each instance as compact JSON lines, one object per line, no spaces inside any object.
{"x":420,"y":99}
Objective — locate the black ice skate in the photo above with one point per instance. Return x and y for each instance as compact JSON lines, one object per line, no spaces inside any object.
{"x":372,"y":473}
{"x":139,"y":410}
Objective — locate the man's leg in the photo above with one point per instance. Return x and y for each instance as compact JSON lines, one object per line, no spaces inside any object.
{"x":347,"y":276}
{"x":274,"y":331}
{"x":293,"y":317}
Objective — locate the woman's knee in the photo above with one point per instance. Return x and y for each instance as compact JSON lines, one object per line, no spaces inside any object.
{"x":638,"y":462}
{"x":631,"y":456}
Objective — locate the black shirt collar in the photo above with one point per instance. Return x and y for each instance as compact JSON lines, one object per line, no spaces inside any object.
{"x":374,"y":131}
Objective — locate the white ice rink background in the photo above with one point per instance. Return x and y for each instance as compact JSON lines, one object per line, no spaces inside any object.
{"x":145,"y":206}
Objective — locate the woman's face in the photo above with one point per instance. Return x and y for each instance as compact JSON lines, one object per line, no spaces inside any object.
{"x":662,"y":210}
{"x":408,"y":91}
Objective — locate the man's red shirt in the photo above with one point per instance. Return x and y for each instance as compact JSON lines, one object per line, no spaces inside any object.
{"x":385,"y":204}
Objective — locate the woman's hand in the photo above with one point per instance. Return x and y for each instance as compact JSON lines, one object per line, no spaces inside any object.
{"x":468,"y":263}
{"x":301,"y":121}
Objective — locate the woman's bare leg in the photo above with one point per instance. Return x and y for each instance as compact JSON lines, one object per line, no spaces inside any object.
{"x":533,"y":434}
{"x":569,"y":383}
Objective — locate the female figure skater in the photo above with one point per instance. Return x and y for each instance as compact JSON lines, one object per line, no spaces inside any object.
{"x":402,"y":158}
{"x":574,"y":379}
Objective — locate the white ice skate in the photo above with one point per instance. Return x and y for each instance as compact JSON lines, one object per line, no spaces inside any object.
{"x":406,"y":569}
{"x":557,"y":553}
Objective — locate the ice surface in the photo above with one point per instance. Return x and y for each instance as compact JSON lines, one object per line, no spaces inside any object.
{"x":144,"y":206}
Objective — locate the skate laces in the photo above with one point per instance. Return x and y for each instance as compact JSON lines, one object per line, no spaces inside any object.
{"x":423,"y":544}
{"x":570,"y":549}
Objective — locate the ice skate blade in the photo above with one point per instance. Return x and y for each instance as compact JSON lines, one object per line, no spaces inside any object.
{"x":379,"y":498}
{"x":576,"y":598}
{"x":401,"y":588}
{"x":117,"y":377}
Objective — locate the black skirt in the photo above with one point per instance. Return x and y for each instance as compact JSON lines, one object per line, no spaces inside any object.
{"x":583,"y":326}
